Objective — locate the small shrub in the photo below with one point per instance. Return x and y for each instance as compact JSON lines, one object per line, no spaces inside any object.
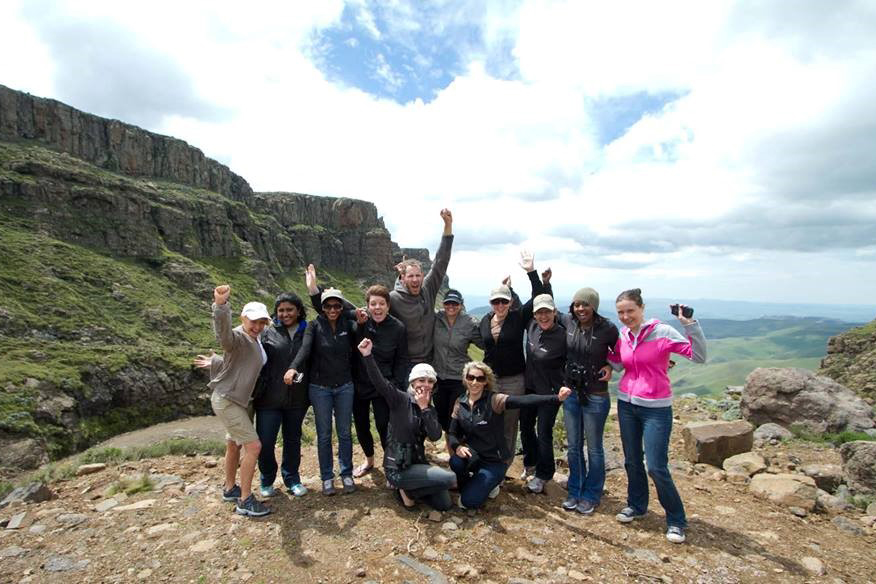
{"x":131,"y":485}
{"x":836,"y":438}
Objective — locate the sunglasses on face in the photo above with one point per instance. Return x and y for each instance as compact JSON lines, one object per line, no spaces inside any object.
{"x":332,"y":306}
{"x":478,"y":378}
{"x":500,"y":301}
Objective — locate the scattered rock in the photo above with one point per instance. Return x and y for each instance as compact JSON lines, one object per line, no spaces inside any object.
{"x":12,"y":551}
{"x":712,"y":442}
{"x":105,"y":505}
{"x":827,"y":476}
{"x":871,"y":508}
{"x":202,"y":546}
{"x":63,"y":564}
{"x":431,"y":553}
{"x":15,"y":521}
{"x":813,"y":565}
{"x":749,"y":463}
{"x":798,"y":396}
{"x":449,"y":526}
{"x":210,"y":463}
{"x":859,"y":465}
{"x":847,"y":525}
{"x":434,"y":576}
{"x":144,"y":504}
{"x":144,"y":574}
{"x":644,"y":555}
{"x":771,"y":431}
{"x":360,"y":572}
{"x":578,"y":576}
{"x":32,"y":493}
{"x":156,"y":530}
{"x":798,"y":511}
{"x":86,"y":469}
{"x":791,"y":490}
{"x":71,"y":519}
{"x":163,"y":481}
{"x":435,"y":516}
{"x":37,"y":529}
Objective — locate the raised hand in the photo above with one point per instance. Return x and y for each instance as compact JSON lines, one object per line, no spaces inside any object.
{"x":422,"y":397}
{"x":527,"y":260}
{"x":365,"y":347}
{"x":546,"y":276}
{"x":564,"y":393}
{"x":310,"y":279}
{"x":400,"y":267}
{"x":203,"y":361}
{"x":447,"y":216}
{"x":683,"y":319}
{"x":361,"y":316}
{"x":507,"y":281}
{"x":221,"y":294}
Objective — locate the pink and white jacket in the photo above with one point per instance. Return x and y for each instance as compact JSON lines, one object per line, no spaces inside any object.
{"x":645,"y":360}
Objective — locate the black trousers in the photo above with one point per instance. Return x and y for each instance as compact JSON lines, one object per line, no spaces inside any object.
{"x":447,"y":391}
{"x":362,"y":420}
{"x":537,"y":438}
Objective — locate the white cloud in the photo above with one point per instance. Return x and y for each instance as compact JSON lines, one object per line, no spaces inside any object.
{"x":775,"y":124}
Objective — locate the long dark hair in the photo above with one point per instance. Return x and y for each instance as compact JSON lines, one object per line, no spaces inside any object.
{"x":291,"y":298}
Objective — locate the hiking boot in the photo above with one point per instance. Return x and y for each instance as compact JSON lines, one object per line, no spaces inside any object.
{"x":675,"y":534}
{"x":570,"y":503}
{"x":585,"y":507}
{"x":528,"y":471}
{"x":328,"y":487}
{"x":628,"y":514}
{"x":251,"y":507}
{"x":349,"y":485}
{"x":494,"y":493}
{"x":298,"y":490}
{"x":535,"y":485}
{"x":267,"y":491}
{"x":232,"y":494}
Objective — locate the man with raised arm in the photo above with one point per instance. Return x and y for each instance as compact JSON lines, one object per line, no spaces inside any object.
{"x":413,"y":299}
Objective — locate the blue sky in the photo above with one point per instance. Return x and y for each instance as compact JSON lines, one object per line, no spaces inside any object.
{"x":700,"y":149}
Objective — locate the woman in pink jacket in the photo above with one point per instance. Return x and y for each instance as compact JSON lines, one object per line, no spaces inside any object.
{"x":644,"y":405}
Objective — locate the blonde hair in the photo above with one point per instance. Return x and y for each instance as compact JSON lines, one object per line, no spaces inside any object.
{"x":488,"y":372}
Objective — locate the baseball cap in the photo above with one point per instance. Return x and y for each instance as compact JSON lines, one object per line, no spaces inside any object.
{"x":255,"y":311}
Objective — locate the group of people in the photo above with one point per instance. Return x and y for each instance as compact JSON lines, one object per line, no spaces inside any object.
{"x":407,"y":363}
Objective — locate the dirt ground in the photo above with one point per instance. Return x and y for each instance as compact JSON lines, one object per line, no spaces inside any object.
{"x":187,"y":534}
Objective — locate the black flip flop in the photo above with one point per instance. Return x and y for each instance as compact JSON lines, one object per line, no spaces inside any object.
{"x":413,"y":508}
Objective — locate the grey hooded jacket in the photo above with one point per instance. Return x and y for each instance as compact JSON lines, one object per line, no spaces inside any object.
{"x":451,"y":344}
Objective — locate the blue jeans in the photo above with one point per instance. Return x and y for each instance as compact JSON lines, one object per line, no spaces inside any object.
{"x":268,"y":423}
{"x":586,"y":422}
{"x":475,"y":487}
{"x":329,"y":401}
{"x":651,"y":426}
{"x":537,"y":438}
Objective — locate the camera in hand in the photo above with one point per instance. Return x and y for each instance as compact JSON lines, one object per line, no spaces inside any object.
{"x":686,"y":312}
{"x":578,"y":376}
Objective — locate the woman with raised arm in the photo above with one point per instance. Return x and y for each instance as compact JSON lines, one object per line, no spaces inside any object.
{"x":502,"y":330}
{"x":327,"y":353}
{"x":390,"y":353}
{"x":412,"y":419}
{"x":232,"y":379}
{"x":644,"y":405}
{"x":477,"y":433}
{"x":455,"y":331}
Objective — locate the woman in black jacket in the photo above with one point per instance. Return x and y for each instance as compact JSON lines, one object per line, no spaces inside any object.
{"x":278,"y":405}
{"x":412,"y":419}
{"x":476,"y":434}
{"x":502,"y":331}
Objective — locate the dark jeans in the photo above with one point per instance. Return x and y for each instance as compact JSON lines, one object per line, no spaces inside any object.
{"x":538,"y":444}
{"x":328,"y":402}
{"x":446,"y":392}
{"x":586,"y":423}
{"x":475,"y":487}
{"x":649,"y":426}
{"x":427,"y":483}
{"x":362,"y":420}
{"x":268,"y":424}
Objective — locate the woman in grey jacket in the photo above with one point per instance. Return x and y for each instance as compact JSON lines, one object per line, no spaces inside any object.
{"x":454,"y":332}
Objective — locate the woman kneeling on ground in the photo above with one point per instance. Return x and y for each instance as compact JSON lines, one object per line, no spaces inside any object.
{"x":644,"y":405}
{"x":412,"y":419}
{"x":477,"y":433}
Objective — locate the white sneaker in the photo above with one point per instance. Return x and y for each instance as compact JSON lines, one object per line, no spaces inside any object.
{"x":675,"y":534}
{"x":536,"y":485}
{"x":268,"y":491}
{"x":528,"y":471}
{"x":494,"y":493}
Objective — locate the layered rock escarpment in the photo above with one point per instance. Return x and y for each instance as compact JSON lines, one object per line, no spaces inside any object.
{"x":112,"y":238}
{"x":851,"y":360}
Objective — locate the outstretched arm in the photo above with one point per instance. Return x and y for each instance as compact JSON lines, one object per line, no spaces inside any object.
{"x":432,"y":281}
{"x":393,"y":396}
{"x":222,"y":317}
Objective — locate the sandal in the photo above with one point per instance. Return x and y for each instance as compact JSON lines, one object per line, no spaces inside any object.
{"x":362,"y":470}
{"x":398,"y":497}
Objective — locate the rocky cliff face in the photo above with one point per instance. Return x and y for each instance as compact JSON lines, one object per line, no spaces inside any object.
{"x":112,"y":239}
{"x":851,"y":360}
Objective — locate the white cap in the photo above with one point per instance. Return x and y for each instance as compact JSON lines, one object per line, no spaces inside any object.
{"x":255,"y":311}
{"x":503,"y":292}
{"x":421,"y":370}
{"x":543,"y":301}
{"x":331,"y":293}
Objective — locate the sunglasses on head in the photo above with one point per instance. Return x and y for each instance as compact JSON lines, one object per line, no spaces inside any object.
{"x":478,"y":378}
{"x":500,"y":301}
{"x":332,"y":306}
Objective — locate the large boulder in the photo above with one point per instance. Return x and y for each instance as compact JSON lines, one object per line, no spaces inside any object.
{"x":772,"y":432}
{"x":712,"y":442}
{"x":790,"y":490}
{"x":859,"y":465}
{"x":748,"y":463}
{"x":826,"y":476}
{"x":797,"y":396}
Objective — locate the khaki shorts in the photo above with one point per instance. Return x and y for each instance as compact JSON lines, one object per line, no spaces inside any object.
{"x":235,"y":418}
